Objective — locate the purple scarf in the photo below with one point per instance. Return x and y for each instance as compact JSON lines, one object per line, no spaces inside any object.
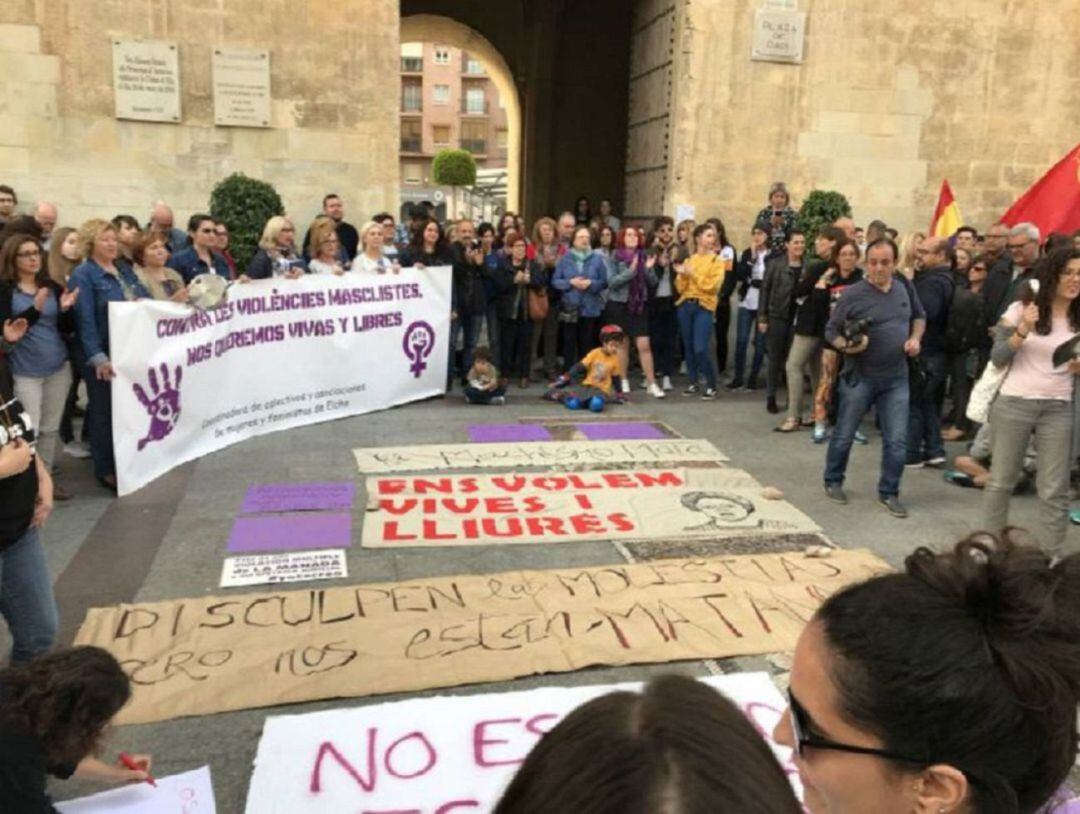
{"x":638,"y":292}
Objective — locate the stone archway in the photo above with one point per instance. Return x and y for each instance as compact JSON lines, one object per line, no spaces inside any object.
{"x":443,"y":30}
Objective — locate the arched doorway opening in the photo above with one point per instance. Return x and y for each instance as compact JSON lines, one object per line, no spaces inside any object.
{"x":431,"y":28}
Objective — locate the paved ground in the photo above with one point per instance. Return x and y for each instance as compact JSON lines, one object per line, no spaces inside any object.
{"x":168,"y":540}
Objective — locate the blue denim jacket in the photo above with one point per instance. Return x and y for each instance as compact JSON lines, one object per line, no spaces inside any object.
{"x":188,"y":264}
{"x":97,"y":288}
{"x":589,"y":302}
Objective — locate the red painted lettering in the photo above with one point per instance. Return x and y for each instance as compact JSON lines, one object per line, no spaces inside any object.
{"x":515,"y":484}
{"x":423,"y":486}
{"x":621,"y":522}
{"x":481,"y":741}
{"x":327,"y":748}
{"x":583,"y":501}
{"x":431,"y":531}
{"x":550,"y":484}
{"x":534,"y":504}
{"x":391,"y":486}
{"x":398,"y":507}
{"x":502,"y":526}
{"x":620,"y":481}
{"x":663,"y":479}
{"x":499,"y":505}
{"x":539,"y":526}
{"x":425,"y":765}
{"x":587,"y":524}
{"x":391,"y":533}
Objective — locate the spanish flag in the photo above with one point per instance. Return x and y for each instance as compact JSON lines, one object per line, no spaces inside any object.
{"x":1053,"y":202}
{"x":947,"y":218}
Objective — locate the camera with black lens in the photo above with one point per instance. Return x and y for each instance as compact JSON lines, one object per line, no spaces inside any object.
{"x":853,"y":330}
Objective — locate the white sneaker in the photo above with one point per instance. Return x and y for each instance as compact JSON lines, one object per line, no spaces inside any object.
{"x":77,"y":449}
{"x":626,"y":386}
{"x":655,"y":391}
{"x":666,"y":384}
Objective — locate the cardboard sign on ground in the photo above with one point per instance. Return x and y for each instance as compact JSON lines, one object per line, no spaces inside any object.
{"x":211,"y":654}
{"x":424,"y":754}
{"x":635,"y":504}
{"x":549,"y":454}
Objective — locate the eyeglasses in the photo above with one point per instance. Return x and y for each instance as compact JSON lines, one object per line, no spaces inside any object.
{"x":805,"y":739}
{"x":1067,"y":275}
{"x":978,"y":267}
{"x":28,"y":255}
{"x":1015,"y":246}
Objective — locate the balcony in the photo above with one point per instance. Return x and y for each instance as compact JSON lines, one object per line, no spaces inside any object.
{"x":476,"y":146}
{"x":475,"y":107}
{"x":470,"y":67}
{"x":412,"y":107}
{"x":412,"y":64}
{"x":411,"y":145}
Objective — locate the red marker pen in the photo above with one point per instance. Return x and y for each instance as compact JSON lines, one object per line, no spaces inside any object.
{"x":130,"y":762}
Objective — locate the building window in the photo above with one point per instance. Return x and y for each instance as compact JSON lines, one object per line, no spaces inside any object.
{"x":473,"y":135}
{"x":412,"y":136}
{"x":475,"y":101}
{"x":441,"y":94}
{"x":501,"y":142}
{"x":412,"y":97}
{"x":471,"y":66}
{"x":442,"y":55}
{"x":440,"y":133}
{"x":413,"y":172}
{"x":412,"y":57}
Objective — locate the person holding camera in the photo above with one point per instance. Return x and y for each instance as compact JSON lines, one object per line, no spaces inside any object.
{"x":468,"y":300}
{"x":877,"y":324}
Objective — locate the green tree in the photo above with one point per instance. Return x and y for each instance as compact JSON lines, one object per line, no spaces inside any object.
{"x":820,"y":209}
{"x":454,"y":168}
{"x":245,"y":205}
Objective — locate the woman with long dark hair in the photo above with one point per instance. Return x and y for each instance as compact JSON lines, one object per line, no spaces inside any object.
{"x":428,"y":247}
{"x":630,"y":279}
{"x":1037,"y":396}
{"x":54,"y":713}
{"x":723,"y":301}
{"x":948,"y":688}
{"x":582,"y":211}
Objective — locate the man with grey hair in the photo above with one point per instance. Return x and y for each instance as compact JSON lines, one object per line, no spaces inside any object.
{"x":45,"y":215}
{"x":1002,"y":283}
{"x":161,"y":223}
{"x":566,"y":224}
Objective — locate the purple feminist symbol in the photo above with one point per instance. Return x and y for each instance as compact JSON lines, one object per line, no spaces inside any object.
{"x":418,"y":343}
{"x":163,"y":405}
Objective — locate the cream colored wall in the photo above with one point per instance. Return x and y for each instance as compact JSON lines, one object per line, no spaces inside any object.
{"x":335,"y":105}
{"x":891,"y":98}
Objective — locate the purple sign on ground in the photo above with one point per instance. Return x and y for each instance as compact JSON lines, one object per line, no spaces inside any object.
{"x":290,"y":532}
{"x":507,"y":433}
{"x":619,"y":431}
{"x":299,"y":497}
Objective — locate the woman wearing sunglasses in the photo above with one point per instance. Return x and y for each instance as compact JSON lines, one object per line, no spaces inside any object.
{"x":950,"y":688}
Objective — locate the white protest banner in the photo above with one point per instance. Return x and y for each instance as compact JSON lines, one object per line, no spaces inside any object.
{"x":270,"y":569}
{"x":443,"y":754}
{"x":187,"y":793}
{"x":279,"y":354}
{"x":377,"y":460}
{"x":635,"y":504}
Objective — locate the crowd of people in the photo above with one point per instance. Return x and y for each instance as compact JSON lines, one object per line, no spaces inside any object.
{"x":949,"y":687}
{"x":945,"y":339}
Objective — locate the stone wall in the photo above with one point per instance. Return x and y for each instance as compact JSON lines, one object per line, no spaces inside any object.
{"x":334,"y":71}
{"x":891,"y":99}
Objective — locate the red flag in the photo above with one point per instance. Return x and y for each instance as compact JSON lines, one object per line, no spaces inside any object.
{"x":947,"y":218}
{"x":1053,"y":202}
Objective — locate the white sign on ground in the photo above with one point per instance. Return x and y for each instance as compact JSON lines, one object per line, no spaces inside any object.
{"x":146,"y":80}
{"x":548,"y":454}
{"x":440,"y":754}
{"x":268,"y":569}
{"x":279,"y":354}
{"x":556,"y":506}
{"x":187,"y":793}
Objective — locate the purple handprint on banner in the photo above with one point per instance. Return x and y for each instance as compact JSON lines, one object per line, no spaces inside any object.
{"x":418,"y":343}
{"x":163,"y":406}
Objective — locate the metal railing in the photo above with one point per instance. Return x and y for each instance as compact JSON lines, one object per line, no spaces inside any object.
{"x":411,"y":145}
{"x":474,"y":106}
{"x":412,"y":64}
{"x":474,"y":145}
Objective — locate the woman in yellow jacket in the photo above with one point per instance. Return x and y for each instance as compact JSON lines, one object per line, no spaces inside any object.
{"x":698,"y":280}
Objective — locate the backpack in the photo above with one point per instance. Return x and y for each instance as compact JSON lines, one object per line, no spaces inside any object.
{"x":965,"y":326}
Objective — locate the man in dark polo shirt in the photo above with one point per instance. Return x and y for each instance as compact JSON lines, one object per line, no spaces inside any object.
{"x":876,"y":370}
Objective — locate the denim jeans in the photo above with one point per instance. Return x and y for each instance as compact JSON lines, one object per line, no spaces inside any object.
{"x":1013,"y":420}
{"x":745,"y":328}
{"x":924,"y":417}
{"x":469,"y":325}
{"x":696,"y":326}
{"x":663,"y":330}
{"x":777,"y":342}
{"x":857,"y":394}
{"x":99,"y":419}
{"x":26,"y":598}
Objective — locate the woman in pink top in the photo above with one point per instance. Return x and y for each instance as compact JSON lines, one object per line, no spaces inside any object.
{"x":1038,"y":397}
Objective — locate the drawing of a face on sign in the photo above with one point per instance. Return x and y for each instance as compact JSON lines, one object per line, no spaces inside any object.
{"x":723,"y":510}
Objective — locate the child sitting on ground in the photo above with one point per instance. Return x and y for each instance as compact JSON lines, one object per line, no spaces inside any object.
{"x":483,"y":380}
{"x":600,"y":372}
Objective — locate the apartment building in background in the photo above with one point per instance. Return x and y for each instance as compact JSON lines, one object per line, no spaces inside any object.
{"x":447,"y":100}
